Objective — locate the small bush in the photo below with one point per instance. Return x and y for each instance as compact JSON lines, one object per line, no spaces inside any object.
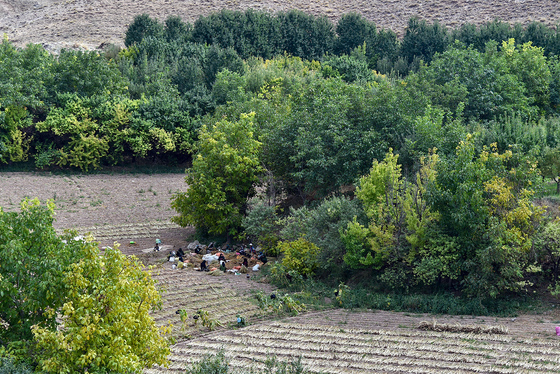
{"x":9,"y":366}
{"x":211,"y":364}
{"x":300,"y":255}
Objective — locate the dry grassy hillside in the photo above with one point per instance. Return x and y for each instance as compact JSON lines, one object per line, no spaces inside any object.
{"x":88,"y":23}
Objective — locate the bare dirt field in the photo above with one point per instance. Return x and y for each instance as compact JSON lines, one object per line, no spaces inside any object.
{"x":136,"y":207}
{"x":112,"y":207}
{"x":88,"y":23}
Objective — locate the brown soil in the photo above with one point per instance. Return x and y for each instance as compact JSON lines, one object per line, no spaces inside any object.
{"x":88,"y":23}
{"x":360,"y":342}
{"x":121,"y":207}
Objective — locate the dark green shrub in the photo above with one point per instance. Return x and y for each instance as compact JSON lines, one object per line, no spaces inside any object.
{"x":353,"y":30}
{"x":141,"y":27}
{"x":9,"y":366}
{"x":423,"y":40}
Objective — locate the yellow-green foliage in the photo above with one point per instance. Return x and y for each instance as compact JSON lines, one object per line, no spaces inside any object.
{"x":299,"y":255}
{"x":106,"y":322}
{"x":163,"y":139}
{"x":15,"y":143}
{"x":18,"y":150}
{"x":84,"y":152}
{"x":221,"y":177}
{"x":398,"y":212}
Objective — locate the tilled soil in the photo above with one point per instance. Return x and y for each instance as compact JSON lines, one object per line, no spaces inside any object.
{"x":88,"y":23}
{"x":96,"y":199}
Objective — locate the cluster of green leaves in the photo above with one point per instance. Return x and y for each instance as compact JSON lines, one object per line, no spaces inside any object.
{"x":65,"y":308}
{"x":468,"y":219}
{"x":279,"y":304}
{"x":221,"y":178}
{"x":34,"y":262}
{"x":299,"y":255}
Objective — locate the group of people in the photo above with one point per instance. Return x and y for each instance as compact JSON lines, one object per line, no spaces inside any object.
{"x":179,"y":254}
{"x":245,"y":251}
{"x":221,"y":260}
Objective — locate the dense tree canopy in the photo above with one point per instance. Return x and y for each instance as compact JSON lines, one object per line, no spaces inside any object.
{"x":302,"y":108}
{"x":224,"y":171}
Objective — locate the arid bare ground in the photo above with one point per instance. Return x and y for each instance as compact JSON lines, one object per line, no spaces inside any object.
{"x":87,"y":23}
{"x":113,"y":207}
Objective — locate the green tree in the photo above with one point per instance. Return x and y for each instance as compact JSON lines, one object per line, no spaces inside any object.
{"x":260,"y":224}
{"x":105,"y":320}
{"x":547,"y":243}
{"x":26,"y":76}
{"x":398,"y":216}
{"x":177,"y":30}
{"x":422,"y":40}
{"x":34,"y":261}
{"x":86,"y":74}
{"x":322,"y":226}
{"x":81,"y":144}
{"x":222,"y":177}
{"x":483,"y":82}
{"x":141,"y":27}
{"x":353,"y":30}
{"x":485,"y":205}
{"x":304,"y":35}
{"x":530,"y":65}
{"x":14,"y":144}
{"x":550,"y":165}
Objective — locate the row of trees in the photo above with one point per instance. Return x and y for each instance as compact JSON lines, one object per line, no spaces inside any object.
{"x":88,"y":110}
{"x":258,"y":33}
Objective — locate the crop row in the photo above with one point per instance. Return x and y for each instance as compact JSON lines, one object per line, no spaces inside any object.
{"x":352,"y":352}
{"x":126,"y":230}
{"x":320,"y":360}
{"x":409,"y":333}
{"x":469,"y":341}
{"x":331,"y":350}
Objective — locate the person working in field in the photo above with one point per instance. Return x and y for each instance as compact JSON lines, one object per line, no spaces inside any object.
{"x":203,"y":266}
